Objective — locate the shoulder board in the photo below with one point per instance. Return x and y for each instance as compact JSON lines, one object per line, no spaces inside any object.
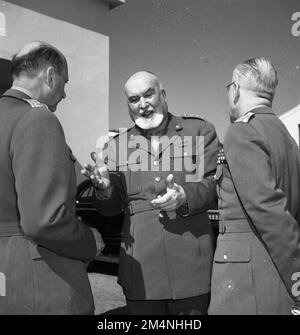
{"x":193,"y":116}
{"x":245,"y":118}
{"x":34,"y":103}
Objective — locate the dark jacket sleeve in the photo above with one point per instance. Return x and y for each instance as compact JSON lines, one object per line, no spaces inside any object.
{"x":114,"y":204}
{"x":44,"y":174}
{"x":248,"y":157}
{"x":201,"y":195}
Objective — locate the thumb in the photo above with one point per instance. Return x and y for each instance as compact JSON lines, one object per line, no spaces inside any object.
{"x":97,"y":158}
{"x":170,"y":181}
{"x":94,"y":156}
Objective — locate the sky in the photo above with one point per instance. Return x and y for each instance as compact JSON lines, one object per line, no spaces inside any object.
{"x":193,"y":46}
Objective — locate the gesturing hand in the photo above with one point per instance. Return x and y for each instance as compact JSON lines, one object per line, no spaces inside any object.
{"x":172,"y":199}
{"x":98,"y":173}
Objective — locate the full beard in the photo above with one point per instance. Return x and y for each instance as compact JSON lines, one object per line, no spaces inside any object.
{"x":149,"y":123}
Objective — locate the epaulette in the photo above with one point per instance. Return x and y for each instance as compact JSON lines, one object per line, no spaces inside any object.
{"x":245,"y":118}
{"x":193,"y":116}
{"x":34,"y":103}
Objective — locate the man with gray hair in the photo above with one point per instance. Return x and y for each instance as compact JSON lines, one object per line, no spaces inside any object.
{"x":256,"y":266}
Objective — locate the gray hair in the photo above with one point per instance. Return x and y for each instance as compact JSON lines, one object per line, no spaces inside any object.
{"x":258,"y":75}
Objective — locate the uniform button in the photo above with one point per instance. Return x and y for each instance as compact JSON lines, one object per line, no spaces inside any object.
{"x":131,"y":136}
{"x":157,"y":179}
{"x":177,"y":126}
{"x":185,"y":153}
{"x":225,"y":257}
{"x":155,"y":162}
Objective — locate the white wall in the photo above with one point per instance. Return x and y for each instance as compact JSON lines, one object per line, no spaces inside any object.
{"x":291,"y":119}
{"x":84,"y":114}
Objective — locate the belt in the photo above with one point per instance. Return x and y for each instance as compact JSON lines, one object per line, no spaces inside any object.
{"x":234,"y":226}
{"x":140,"y":207}
{"x":11,"y":228}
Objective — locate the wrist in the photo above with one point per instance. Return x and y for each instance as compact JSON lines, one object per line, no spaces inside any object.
{"x":183,"y":210}
{"x":103,"y":193}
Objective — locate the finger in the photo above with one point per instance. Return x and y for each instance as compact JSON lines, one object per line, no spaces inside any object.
{"x":169,"y":205}
{"x":170,"y":181}
{"x":88,"y":167}
{"x":96,"y":179}
{"x":161,"y":200}
{"x":85,"y":173}
{"x":94,"y":156}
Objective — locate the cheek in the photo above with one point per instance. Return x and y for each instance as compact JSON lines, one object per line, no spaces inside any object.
{"x":133,"y":111}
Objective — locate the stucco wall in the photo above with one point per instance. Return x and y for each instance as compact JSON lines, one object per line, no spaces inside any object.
{"x":75,"y":27}
{"x":292,"y":121}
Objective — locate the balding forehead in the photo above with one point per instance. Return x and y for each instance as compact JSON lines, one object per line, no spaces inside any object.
{"x":28,"y":48}
{"x":140,"y":79}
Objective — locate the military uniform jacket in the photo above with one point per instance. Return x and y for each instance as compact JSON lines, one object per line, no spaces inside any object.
{"x":162,"y":257}
{"x":44,"y":249}
{"x":256,"y":270}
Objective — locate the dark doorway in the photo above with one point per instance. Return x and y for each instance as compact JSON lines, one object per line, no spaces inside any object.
{"x":5,"y":75}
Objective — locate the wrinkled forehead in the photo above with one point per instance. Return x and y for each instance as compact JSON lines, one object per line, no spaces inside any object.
{"x":140,"y":84}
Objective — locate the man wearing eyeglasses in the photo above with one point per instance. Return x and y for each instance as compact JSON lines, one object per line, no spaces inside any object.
{"x":256,"y":267}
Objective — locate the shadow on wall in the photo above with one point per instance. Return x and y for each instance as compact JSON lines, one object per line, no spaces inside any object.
{"x":5,"y":77}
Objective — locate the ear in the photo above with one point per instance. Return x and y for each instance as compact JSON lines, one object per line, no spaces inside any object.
{"x":164,"y":94}
{"x":236,"y":94}
{"x":50,"y":76}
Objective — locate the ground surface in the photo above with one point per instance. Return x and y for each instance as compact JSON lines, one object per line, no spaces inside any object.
{"x":108,"y":295}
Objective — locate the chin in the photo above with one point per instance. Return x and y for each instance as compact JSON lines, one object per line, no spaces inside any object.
{"x":150,"y":123}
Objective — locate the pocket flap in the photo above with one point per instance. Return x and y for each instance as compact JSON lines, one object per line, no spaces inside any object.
{"x":232,"y":251}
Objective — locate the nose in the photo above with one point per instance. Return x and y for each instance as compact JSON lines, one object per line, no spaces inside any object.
{"x":143,"y":103}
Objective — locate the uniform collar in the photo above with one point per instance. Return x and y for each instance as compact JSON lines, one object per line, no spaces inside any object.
{"x":16,"y":93}
{"x":261,"y":109}
{"x":23,"y":90}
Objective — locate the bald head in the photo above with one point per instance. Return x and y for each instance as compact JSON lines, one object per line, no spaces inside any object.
{"x":146,"y":100}
{"x":140,"y":78}
{"x":35,"y":56}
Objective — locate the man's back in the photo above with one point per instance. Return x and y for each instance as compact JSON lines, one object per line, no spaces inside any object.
{"x":284,"y":156}
{"x":43,"y":247}
{"x":11,"y":111}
